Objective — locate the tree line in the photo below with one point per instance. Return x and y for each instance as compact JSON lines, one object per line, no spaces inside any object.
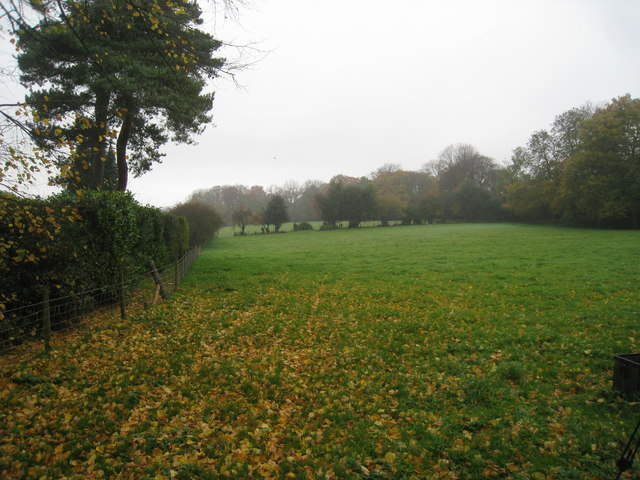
{"x":584,"y":170}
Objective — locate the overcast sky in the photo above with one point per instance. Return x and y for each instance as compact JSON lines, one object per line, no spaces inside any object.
{"x":349,"y":85}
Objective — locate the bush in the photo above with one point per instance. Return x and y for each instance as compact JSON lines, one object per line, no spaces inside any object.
{"x":176,"y":234}
{"x":328,"y":226}
{"x":204,"y":221}
{"x":298,"y":227}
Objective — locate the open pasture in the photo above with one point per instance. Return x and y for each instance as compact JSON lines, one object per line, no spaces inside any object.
{"x":448,"y":351}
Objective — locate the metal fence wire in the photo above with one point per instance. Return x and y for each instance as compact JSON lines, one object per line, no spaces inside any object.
{"x":41,"y":320}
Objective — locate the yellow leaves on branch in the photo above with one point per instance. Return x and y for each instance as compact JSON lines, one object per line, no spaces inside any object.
{"x":23,"y":160}
{"x":28,"y":230}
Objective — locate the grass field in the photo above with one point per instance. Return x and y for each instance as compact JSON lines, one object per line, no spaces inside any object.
{"x":448,"y":351}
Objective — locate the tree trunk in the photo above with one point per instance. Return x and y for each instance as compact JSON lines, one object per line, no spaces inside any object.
{"x":99,"y":159}
{"x":121,"y":148}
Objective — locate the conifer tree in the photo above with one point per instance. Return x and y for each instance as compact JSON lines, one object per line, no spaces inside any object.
{"x":118,"y":78}
{"x":275,"y":213}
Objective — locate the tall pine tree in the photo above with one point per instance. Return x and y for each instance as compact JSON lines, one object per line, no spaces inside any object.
{"x":118,"y":79}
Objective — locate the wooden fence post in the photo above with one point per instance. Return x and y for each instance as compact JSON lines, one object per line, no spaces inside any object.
{"x":158,"y":280}
{"x":46,"y":319}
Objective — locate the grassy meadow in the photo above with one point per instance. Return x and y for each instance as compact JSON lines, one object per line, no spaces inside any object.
{"x":425,"y":352}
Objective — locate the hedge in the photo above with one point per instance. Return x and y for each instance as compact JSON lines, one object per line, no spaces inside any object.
{"x":76,"y":243}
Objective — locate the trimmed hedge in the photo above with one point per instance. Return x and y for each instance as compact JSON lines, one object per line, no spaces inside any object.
{"x":75,"y":243}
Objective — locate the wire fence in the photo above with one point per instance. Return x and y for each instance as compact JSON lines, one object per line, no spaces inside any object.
{"x":39,"y":321}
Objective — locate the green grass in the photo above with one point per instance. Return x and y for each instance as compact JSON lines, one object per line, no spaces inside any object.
{"x":447,"y":351}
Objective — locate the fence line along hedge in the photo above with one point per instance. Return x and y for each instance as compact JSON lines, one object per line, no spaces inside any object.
{"x":59,"y":314}
{"x":79,"y":242}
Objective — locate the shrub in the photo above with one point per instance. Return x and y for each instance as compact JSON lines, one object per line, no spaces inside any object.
{"x":297,"y":227}
{"x":328,"y":226}
{"x":204,"y":221}
{"x":176,"y":234}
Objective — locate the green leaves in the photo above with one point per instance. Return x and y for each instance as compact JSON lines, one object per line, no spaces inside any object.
{"x":585,"y":171}
{"x":136,"y":67}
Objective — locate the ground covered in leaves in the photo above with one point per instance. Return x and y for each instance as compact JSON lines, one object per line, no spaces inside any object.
{"x":464,"y":351}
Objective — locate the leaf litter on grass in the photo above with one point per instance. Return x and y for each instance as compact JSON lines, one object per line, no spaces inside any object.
{"x":469,"y":370}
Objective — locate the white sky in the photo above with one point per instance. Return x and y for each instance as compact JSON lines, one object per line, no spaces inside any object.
{"x":349,"y":85}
